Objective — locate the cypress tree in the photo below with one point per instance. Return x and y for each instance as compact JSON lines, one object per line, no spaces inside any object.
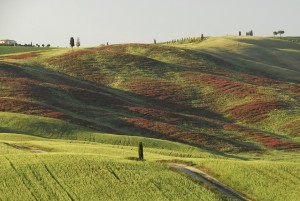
{"x":141,"y":151}
{"x":78,"y":42}
{"x":72,"y":43}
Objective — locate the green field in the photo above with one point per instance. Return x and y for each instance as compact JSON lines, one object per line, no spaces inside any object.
{"x":83,"y":171}
{"x":20,"y":49}
{"x":70,"y":121}
{"x":291,"y":39}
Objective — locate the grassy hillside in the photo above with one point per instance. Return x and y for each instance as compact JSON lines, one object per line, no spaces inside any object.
{"x":156,"y":91}
{"x":57,"y":129}
{"x":230,"y":106}
{"x":269,"y":57}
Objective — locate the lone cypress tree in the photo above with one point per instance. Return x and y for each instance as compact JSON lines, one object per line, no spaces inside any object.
{"x":78,"y":42}
{"x":72,"y":43}
{"x":141,"y":151}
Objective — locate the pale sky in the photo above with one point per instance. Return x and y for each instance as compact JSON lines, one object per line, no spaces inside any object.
{"x":140,"y":21}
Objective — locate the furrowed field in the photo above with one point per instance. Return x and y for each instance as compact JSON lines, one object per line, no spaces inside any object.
{"x":71,"y":121}
{"x":90,"y":172}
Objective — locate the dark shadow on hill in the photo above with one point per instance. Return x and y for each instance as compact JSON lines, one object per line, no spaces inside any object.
{"x":246,"y":64}
{"x":271,"y":43}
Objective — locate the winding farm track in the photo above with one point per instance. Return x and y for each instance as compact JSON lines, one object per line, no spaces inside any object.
{"x":17,"y":146}
{"x":209,"y":180}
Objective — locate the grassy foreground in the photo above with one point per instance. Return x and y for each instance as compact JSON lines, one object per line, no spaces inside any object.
{"x":46,"y":169}
{"x":86,"y":170}
{"x":89,"y":172}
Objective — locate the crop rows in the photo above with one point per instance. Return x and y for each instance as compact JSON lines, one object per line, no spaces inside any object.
{"x":91,"y":177}
{"x":261,"y":180}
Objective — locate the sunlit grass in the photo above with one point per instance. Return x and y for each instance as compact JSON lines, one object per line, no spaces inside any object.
{"x":262,"y":180}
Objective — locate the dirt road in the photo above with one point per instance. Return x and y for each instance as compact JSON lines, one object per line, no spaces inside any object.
{"x":207,"y":179}
{"x":22,"y":147}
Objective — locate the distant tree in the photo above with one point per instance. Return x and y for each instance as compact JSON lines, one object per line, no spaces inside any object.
{"x":72,"y":44}
{"x":280,"y":33}
{"x":107,"y":44}
{"x":78,"y":42}
{"x":275,"y":33}
{"x":48,"y":45}
{"x":202,"y":37}
{"x":37,"y":45}
{"x":43,"y":45}
{"x":249,"y":33}
{"x":240,"y":33}
{"x":141,"y":151}
{"x":154,"y":41}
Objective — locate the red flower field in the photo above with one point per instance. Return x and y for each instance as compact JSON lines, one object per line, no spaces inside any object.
{"x":254,"y":111}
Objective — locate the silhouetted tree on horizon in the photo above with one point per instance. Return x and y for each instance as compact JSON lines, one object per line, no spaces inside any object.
{"x":250,"y":33}
{"x":78,"y":42}
{"x":72,"y":44}
{"x":280,"y":33}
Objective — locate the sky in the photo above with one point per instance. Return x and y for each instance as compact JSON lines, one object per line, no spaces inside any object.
{"x":96,"y":22}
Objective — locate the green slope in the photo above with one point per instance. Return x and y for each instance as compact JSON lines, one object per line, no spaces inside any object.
{"x":256,"y":55}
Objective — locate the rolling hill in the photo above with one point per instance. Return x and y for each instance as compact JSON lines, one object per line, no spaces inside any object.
{"x":269,"y":57}
{"x":228,"y":105}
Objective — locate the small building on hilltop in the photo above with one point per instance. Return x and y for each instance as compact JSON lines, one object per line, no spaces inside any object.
{"x":8,"y":42}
